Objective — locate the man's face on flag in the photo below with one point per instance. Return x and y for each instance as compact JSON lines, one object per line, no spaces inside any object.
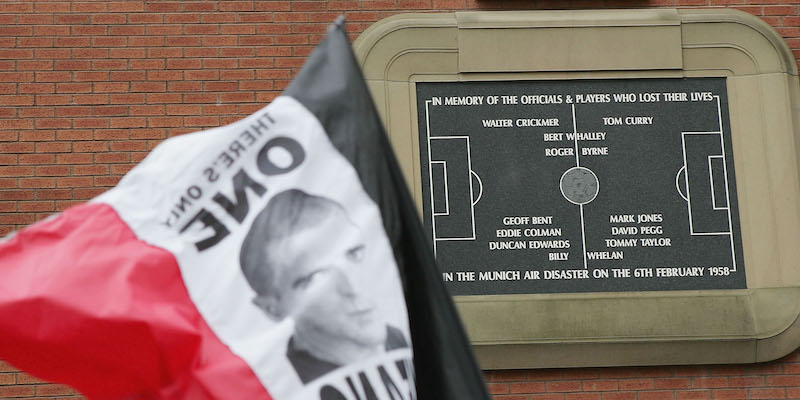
{"x":319,"y":283}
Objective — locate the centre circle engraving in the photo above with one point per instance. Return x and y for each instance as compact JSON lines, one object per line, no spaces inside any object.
{"x":579,"y":185}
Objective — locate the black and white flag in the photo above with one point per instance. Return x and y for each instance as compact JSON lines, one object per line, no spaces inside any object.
{"x":331,"y":86}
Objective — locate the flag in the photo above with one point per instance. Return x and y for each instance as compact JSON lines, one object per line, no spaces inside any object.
{"x":279,"y":257}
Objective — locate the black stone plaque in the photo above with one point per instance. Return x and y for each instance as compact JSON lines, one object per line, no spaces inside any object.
{"x":580,"y":186}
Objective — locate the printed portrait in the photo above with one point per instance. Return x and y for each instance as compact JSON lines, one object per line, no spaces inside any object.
{"x":304,"y":259}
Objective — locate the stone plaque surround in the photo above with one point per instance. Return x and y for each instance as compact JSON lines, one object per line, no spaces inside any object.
{"x":755,"y":324}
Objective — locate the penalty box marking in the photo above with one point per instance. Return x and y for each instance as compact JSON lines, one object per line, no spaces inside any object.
{"x":430,"y":179}
{"x":727,"y":188}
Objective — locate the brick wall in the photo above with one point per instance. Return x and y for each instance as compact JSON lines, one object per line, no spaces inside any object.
{"x":87,"y":88}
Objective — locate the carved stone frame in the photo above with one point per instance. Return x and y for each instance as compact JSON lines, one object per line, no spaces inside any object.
{"x":756,"y":324}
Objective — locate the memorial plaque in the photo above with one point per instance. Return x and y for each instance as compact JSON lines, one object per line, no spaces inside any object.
{"x":580,"y":186}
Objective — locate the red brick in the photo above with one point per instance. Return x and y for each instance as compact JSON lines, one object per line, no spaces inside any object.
{"x":147,"y":110}
{"x":694,"y":395}
{"x":16,"y":7}
{"x":236,"y":6}
{"x":636,"y":384}
{"x":68,"y":182}
{"x":54,"y":194}
{"x":52,"y":170}
{"x":552,"y":396}
{"x":200,"y":98}
{"x":201,"y":121}
{"x":109,"y":110}
{"x":16,"y":123}
{"x":36,"y":135}
{"x":237,"y":97}
{"x":657,"y":395}
{"x":227,"y":109}
{"x":766,"y":393}
{"x":53,"y":123}
{"x":112,"y":134}
{"x":106,"y":180}
{"x":10,"y":159}
{"x":53,"y":100}
{"x":779,"y":380}
{"x":17,"y":391}
{"x":90,"y":170}
{"x":35,"y":42}
{"x":15,"y":31}
{"x":6,"y":367}
{"x":90,"y":146}
{"x":91,"y":99}
{"x":238,"y":52}
{"x":145,"y":19}
{"x":126,"y":76}
{"x":74,"y":135}
{"x":128,"y":146}
{"x":600,"y":385}
{"x":17,"y":194}
{"x":34,"y":65}
{"x":127,"y":99}
{"x":36,"y":206}
{"x":8,"y":136}
{"x":93,"y":8}
{"x":112,"y":158}
{"x":703,"y":383}
{"x":62,"y":205}
{"x":44,"y":76}
{"x":747,"y":381}
{"x":498,"y":388}
{"x":51,"y":30}
{"x":87,"y":193}
{"x":183,"y":41}
{"x":148,"y":133}
{"x":16,"y":147}
{"x":164,"y":75}
{"x":183,"y":18}
{"x":202,"y":75}
{"x":111,"y":87}
{"x":34,"y":159}
{"x":148,"y":87}
{"x":780,"y":10}
{"x":583,"y":396}
{"x":184,"y":86}
{"x":94,"y":122}
{"x":220,"y":63}
{"x":274,"y":6}
{"x":53,"y":147}
{"x":37,"y":88}
{"x":28,"y":113}
{"x":126,"y":6}
{"x":128,"y":122}
{"x":165,"y":122}
{"x":121,"y":169}
{"x":221,"y":86}
{"x":90,"y":53}
{"x":73,"y":87}
{"x":75,"y":158}
{"x":527,"y":387}
{"x":564,"y":386}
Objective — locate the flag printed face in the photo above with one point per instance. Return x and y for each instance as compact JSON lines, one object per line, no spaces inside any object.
{"x":279,"y":257}
{"x":281,"y":250}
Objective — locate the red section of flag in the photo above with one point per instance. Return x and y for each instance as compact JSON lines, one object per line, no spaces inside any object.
{"x":84,"y":302}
